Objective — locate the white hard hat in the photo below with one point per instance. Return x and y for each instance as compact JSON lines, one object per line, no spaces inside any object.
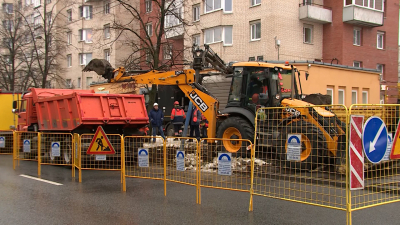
{"x":155,"y":104}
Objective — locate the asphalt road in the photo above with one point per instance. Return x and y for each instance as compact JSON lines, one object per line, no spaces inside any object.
{"x":99,"y":200}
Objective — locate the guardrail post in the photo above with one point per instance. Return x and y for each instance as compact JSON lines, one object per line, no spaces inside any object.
{"x":165,"y":166}
{"x":39,"y":153}
{"x":123,"y":181}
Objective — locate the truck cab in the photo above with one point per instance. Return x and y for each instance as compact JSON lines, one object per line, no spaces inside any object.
{"x":27,"y":119}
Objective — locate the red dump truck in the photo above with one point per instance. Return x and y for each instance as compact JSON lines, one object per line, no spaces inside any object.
{"x":78,"y":111}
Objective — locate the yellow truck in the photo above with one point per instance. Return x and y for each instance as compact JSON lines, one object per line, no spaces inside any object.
{"x":9,"y":120}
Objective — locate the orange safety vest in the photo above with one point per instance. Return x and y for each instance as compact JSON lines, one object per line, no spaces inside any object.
{"x":195,"y":115}
{"x":176,"y":112}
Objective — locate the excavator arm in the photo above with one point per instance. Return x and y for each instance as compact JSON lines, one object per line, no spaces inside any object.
{"x":185,"y":80}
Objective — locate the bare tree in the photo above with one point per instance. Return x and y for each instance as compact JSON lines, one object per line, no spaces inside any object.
{"x":155,"y":35}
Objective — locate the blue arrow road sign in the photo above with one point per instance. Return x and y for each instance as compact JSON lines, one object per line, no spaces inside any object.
{"x":375,"y":139}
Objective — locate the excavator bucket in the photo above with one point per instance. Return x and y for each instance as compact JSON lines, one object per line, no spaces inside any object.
{"x":101,"y":66}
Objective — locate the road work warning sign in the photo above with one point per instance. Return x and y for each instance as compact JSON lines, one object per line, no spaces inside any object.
{"x":100,"y":144}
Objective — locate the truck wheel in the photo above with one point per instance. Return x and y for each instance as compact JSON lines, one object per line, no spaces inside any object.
{"x":236,"y":128}
{"x":170,"y":131}
{"x":313,"y":145}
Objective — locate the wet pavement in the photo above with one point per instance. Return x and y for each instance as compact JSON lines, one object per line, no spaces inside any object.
{"x":99,"y":200}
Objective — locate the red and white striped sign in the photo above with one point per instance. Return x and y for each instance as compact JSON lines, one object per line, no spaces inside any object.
{"x":356,"y":153}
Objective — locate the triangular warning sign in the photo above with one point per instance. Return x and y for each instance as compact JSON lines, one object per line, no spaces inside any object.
{"x":395,"y":151}
{"x":100,"y":144}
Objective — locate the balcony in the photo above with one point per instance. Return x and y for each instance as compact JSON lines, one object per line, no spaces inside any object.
{"x":362,"y":16}
{"x":174,"y":32}
{"x":315,"y":13}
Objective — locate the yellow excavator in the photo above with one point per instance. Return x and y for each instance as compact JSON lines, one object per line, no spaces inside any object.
{"x":254,"y":85}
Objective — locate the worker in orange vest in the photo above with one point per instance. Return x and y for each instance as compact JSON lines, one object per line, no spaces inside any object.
{"x":203,"y":126}
{"x":195,"y":123}
{"x":177,"y":118}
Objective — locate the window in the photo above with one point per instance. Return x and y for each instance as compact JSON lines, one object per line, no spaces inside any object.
{"x":68,"y":83}
{"x":196,"y":39}
{"x":357,"y":36}
{"x":173,"y":16}
{"x":380,"y":39}
{"x":84,"y":58}
{"x":196,"y":13}
{"x":79,"y":82}
{"x":341,"y":97}
{"x":106,"y":7}
{"x":357,"y":64}
{"x":85,"y":35}
{"x":255,"y":2}
{"x":329,"y":91}
{"x":353,"y":97}
{"x":69,"y":15}
{"x":8,"y":8}
{"x":107,"y":33}
{"x":89,"y":80}
{"x":86,"y":12}
{"x":307,"y":34}
{"x":149,"y":6}
{"x":380,"y":68}
{"x":107,"y":54}
{"x":167,"y":52}
{"x":252,"y":58}
{"x":8,"y":25}
{"x":228,"y":6}
{"x":37,"y":21}
{"x":365,"y":97}
{"x":149,"y":29}
{"x":69,"y":60}
{"x":49,"y":18}
{"x":48,"y":1}
{"x":218,"y":34}
{"x":255,"y":30}
{"x":69,"y":38}
{"x":260,"y":58}
{"x":211,"y":5}
{"x":27,"y":2}
{"x":36,"y":3}
{"x":373,"y":4}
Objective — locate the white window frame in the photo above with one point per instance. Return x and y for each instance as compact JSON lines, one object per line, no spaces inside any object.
{"x":253,"y":25}
{"x":382,"y":35}
{"x":107,"y":54}
{"x":344,"y":96}
{"x":107,"y":7}
{"x":69,"y":15}
{"x":223,"y":37}
{"x":225,"y":8}
{"x":357,"y":38}
{"x":196,"y":13}
{"x":83,"y":35}
{"x":107,"y":28}
{"x":370,"y":4}
{"x":213,"y":5}
{"x":69,"y":60}
{"x":196,"y":39}
{"x":311,"y":27}
{"x":149,"y":29}
{"x":69,"y":38}
{"x":6,"y":9}
{"x":87,"y":81}
{"x":352,"y":92}
{"x":174,"y":16}
{"x":357,"y":62}
{"x":148,"y":5}
{"x":364,"y":92}
{"x":83,"y":58}
{"x":331,"y":90}
{"x":86,"y":12}
{"x":37,"y":3}
{"x":255,"y":2}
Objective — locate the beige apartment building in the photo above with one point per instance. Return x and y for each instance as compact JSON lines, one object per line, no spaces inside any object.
{"x":255,"y":29}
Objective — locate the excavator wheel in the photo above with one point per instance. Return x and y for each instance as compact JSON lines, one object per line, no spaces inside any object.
{"x":235,"y":128}
{"x":313,"y":146}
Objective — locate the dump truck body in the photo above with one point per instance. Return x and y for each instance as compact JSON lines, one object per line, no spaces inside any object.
{"x":80,"y":111}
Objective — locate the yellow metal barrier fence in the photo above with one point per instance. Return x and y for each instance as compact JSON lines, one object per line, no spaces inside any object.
{"x":381,"y":180}
{"x":145,"y":158}
{"x":56,"y":149}
{"x":27,"y":147}
{"x":182,"y":162}
{"x":225,"y":170}
{"x":77,"y":157}
{"x":300,"y":155}
{"x":109,"y":162}
{"x":6,"y":142}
